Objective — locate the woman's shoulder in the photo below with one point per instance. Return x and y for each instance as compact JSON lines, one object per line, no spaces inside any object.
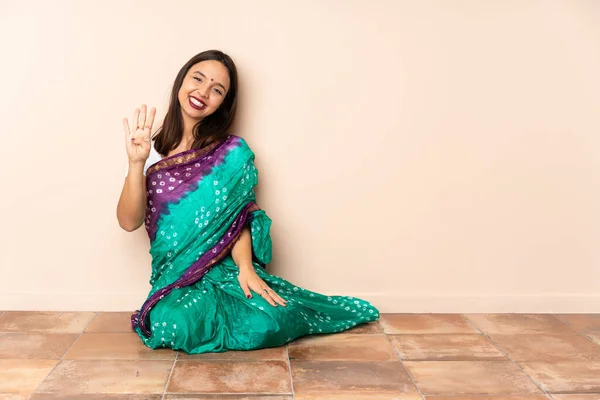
{"x":239,"y":150}
{"x":240,"y":143}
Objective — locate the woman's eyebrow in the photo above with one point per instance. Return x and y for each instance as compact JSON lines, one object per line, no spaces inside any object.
{"x":204,"y":76}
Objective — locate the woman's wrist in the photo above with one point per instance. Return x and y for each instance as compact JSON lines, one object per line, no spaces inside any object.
{"x":136,"y":163}
{"x":246,"y":266}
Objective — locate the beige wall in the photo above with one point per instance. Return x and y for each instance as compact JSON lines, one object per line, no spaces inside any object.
{"x":429,"y":156}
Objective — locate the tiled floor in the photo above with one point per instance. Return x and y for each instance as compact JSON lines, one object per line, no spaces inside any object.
{"x":86,"y":355}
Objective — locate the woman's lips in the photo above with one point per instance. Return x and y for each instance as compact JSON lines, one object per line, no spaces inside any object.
{"x":200,"y":107}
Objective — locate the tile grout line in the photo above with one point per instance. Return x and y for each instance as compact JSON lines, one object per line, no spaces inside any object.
{"x":397,"y":353}
{"x":507,"y":356}
{"x":575,"y":330}
{"x":64,"y":354}
{"x":287,"y":352}
{"x":170,"y":375}
{"x":92,"y":320}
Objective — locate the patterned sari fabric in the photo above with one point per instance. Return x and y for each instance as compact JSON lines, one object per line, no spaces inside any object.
{"x":198,"y":203}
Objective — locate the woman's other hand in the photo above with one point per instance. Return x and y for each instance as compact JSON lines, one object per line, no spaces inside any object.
{"x":249,"y":280}
{"x":137,"y":138}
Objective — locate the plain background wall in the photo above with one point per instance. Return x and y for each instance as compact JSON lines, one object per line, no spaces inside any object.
{"x":429,"y":156}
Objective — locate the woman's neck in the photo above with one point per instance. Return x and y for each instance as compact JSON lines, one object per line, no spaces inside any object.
{"x":187,"y":139}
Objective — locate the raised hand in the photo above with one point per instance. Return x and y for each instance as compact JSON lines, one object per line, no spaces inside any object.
{"x":137,"y":138}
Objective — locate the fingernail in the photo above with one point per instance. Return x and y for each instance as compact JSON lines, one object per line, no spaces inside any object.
{"x":248,"y":296}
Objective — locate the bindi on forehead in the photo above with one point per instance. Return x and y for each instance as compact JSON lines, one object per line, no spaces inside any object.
{"x":211,"y":79}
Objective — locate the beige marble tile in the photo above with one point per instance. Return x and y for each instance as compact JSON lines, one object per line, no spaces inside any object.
{"x":351,"y":378}
{"x":507,"y":324}
{"x":448,"y":347}
{"x":129,"y":396}
{"x":370,"y":328}
{"x":274,"y":353}
{"x":574,"y":396}
{"x":47,"y":322}
{"x":582,"y":322}
{"x":426,"y":324}
{"x":342,"y":347}
{"x":115,"y":346}
{"x":587,"y":324}
{"x":107,"y":376}
{"x":350,"y":396}
{"x":226,"y":397}
{"x":565,"y":376}
{"x":490,"y":397}
{"x":23,"y":376}
{"x":542,"y":347}
{"x":111,"y":322}
{"x":35,"y":345}
{"x":470,"y":377}
{"x":8,"y":396}
{"x":230,"y":377}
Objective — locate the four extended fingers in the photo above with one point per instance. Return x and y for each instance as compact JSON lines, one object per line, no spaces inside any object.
{"x":140,"y":121}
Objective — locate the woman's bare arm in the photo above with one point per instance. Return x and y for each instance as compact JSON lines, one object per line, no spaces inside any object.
{"x":242,"y":250}
{"x":248,"y":278}
{"x":132,"y":203}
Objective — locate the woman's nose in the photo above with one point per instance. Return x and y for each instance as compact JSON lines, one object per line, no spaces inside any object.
{"x":203,"y":91}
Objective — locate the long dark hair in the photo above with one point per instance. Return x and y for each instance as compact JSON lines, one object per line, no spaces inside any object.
{"x":211,"y":129}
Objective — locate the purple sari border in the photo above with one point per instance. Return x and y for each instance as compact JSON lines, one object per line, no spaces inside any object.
{"x":198,"y":269}
{"x":168,"y":161}
{"x":202,"y":162}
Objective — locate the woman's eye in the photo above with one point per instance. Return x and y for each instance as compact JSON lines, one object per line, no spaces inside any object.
{"x":218,"y":91}
{"x":198,"y":79}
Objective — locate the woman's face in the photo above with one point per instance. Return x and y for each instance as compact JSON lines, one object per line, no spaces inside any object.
{"x":203,"y":89}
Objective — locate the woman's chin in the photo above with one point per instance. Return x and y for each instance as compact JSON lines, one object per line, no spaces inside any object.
{"x":193,"y":114}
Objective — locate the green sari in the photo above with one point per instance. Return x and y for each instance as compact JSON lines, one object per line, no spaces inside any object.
{"x":198,"y":203}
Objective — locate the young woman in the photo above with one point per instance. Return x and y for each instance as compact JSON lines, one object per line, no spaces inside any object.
{"x":192,"y":186}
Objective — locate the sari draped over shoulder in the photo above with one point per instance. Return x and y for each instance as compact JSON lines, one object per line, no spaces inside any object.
{"x":198,"y":203}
